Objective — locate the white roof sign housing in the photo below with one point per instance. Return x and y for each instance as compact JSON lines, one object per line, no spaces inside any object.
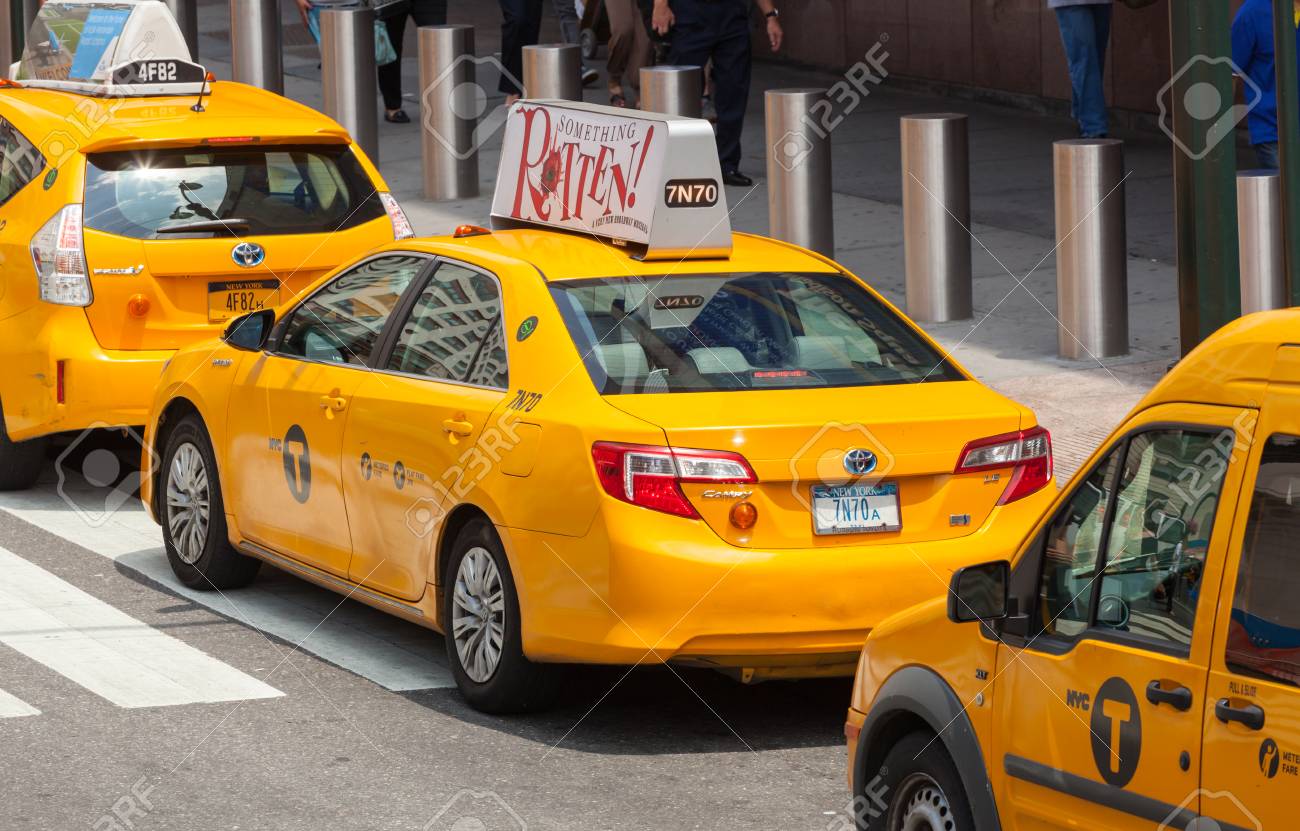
{"x":108,"y":47}
{"x":647,"y":180}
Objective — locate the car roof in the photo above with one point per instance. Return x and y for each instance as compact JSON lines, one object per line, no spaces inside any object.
{"x":231,"y":109}
{"x":563,"y":255}
{"x":1234,"y":366}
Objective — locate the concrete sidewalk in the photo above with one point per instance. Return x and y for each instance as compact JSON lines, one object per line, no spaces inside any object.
{"x":1012,"y":341}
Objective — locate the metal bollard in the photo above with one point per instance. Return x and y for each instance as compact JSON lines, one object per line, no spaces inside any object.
{"x":255,"y":46}
{"x":675,"y":90}
{"x":1091,"y":256}
{"x":1259,"y":225}
{"x":936,"y":216}
{"x":186,"y":13}
{"x":450,"y":103}
{"x":553,"y":70}
{"x":798,"y":171}
{"x":347,"y":47}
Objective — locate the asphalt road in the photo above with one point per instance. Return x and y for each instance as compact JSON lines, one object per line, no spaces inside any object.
{"x":130,"y":702}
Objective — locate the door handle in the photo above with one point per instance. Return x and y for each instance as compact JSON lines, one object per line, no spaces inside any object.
{"x":1250,"y":716}
{"x":1180,"y":698}
{"x":457,"y":426}
{"x":333,"y":403}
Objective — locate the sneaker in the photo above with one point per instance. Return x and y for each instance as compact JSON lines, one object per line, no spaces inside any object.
{"x":589,"y":76}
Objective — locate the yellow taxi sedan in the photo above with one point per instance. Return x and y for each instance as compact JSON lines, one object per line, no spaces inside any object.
{"x":651,"y":440}
{"x":143,"y":206}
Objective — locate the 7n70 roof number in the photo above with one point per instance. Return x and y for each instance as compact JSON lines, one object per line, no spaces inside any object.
{"x":691,"y":193}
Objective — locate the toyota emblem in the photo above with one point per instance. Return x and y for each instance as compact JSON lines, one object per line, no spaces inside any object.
{"x":248,"y":254}
{"x":859,"y":462}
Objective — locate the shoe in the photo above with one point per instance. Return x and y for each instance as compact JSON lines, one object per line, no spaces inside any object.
{"x":736,"y":179}
{"x":399,"y":117}
{"x":589,"y":76}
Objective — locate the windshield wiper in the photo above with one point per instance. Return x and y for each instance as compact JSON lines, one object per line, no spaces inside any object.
{"x":231,"y":225}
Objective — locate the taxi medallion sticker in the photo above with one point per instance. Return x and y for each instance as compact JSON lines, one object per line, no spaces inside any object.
{"x":1116,"y":732}
{"x":297,"y":463}
{"x":526,"y":328}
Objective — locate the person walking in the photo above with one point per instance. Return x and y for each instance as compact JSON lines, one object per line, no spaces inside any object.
{"x":521,"y":25}
{"x":424,"y":13}
{"x":629,"y":49}
{"x":566,"y":12}
{"x":1085,"y":32}
{"x":1252,"y":52}
{"x":719,"y":30}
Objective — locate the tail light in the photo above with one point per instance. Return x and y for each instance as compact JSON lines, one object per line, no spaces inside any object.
{"x":651,"y":476}
{"x":60,"y":259}
{"x":401,"y":225}
{"x":1027,"y":452}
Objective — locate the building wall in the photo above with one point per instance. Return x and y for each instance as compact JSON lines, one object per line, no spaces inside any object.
{"x":1010,"y":46}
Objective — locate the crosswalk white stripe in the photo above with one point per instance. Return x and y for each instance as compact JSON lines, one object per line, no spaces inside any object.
{"x":106,"y":650}
{"x":393,"y":653}
{"x":11,"y":707}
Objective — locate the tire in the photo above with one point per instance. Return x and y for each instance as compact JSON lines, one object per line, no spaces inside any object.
{"x":198,"y":546}
{"x":919,"y":784}
{"x":492,"y":680}
{"x":20,"y":461}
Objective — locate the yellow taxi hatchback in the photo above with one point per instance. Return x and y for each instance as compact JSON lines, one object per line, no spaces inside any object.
{"x":648,"y":441}
{"x":142,"y":207}
{"x":1136,"y":663}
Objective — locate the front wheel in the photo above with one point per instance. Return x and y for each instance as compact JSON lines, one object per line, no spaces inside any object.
{"x":921,"y":789}
{"x":193,"y":515}
{"x":481,"y":622}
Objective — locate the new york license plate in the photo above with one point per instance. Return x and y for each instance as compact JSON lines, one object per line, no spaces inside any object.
{"x":237,"y":297}
{"x":856,"y":509}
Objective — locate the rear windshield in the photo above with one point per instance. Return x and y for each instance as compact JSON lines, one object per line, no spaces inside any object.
{"x":741,"y":331}
{"x":236,"y":191}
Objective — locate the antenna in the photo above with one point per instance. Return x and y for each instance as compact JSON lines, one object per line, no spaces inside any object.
{"x":198,"y":105}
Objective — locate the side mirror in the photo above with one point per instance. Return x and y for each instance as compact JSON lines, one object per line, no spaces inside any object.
{"x":249,"y":332}
{"x":979,"y":592}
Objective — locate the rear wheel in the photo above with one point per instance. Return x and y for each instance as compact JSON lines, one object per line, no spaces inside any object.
{"x":20,"y":461}
{"x":193,"y":515}
{"x":481,"y":622}
{"x":921,"y":788}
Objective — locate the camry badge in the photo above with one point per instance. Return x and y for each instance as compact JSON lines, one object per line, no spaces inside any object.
{"x":248,"y":254}
{"x":859,"y":462}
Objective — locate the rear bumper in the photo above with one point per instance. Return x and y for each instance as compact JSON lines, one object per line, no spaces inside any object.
{"x":646,"y":587}
{"x":102,"y":387}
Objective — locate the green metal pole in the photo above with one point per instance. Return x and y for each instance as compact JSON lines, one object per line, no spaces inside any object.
{"x":1205,"y":169}
{"x":1288,"y":131}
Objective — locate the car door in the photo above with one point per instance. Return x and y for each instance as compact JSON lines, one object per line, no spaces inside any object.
{"x":1252,"y":707}
{"x":288,"y":410}
{"x":411,"y":445}
{"x":1099,"y":702}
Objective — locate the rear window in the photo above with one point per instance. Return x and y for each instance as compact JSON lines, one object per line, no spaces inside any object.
{"x":741,"y":331}
{"x":236,"y":191}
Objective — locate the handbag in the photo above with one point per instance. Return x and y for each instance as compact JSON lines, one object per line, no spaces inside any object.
{"x":384,"y":51}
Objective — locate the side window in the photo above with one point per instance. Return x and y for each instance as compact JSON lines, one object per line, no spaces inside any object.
{"x":20,"y":161}
{"x":1153,"y":536}
{"x":1264,"y":634}
{"x":1070,"y":556}
{"x":341,"y":322}
{"x":454,"y":332}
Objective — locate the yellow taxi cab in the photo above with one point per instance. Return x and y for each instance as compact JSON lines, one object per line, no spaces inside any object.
{"x":607,"y":431}
{"x":1136,"y":663}
{"x":141,"y":207}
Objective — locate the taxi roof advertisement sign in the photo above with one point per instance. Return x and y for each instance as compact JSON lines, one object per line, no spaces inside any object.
{"x":597,"y":170}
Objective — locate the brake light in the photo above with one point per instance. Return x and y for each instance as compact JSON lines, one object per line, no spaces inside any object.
{"x":230,"y":139}
{"x":1027,"y":452}
{"x":401,"y":225}
{"x":60,"y":259}
{"x":651,"y":476}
